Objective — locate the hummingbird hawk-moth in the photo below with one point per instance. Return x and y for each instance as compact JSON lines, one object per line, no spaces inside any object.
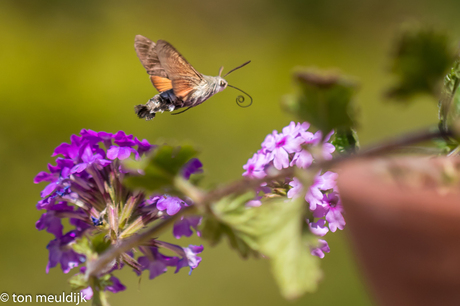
{"x":178,"y":83}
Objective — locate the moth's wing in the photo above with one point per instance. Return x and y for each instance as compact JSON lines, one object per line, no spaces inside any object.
{"x":146,"y":51}
{"x":161,"y":84}
{"x":185,"y":79}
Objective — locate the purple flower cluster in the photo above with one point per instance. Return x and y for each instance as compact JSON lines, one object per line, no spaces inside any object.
{"x":296,"y":146}
{"x":86,"y":188}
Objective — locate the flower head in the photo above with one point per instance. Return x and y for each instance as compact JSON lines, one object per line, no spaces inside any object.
{"x":86,"y":187}
{"x":295,"y":146}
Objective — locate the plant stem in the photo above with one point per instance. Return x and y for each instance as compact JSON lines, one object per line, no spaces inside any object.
{"x":390,"y":145}
{"x":203,"y":200}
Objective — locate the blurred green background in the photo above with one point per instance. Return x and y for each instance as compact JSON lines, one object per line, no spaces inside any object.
{"x":68,"y":65}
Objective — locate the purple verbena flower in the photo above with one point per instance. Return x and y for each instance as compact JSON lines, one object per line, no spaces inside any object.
{"x":188,"y":255}
{"x":281,"y":146}
{"x":86,"y":188}
{"x":190,"y":259}
{"x":172,"y":205}
{"x":156,"y":262}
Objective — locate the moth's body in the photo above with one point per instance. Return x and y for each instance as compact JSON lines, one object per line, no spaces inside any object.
{"x":168,"y":101}
{"x":179,"y":84}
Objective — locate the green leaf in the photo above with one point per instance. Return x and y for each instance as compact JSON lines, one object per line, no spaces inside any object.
{"x":160,"y":168}
{"x":276,"y":229}
{"x":324,"y":100}
{"x":285,"y":239}
{"x":422,"y":56}
{"x":345,"y":141}
{"x":228,"y":218}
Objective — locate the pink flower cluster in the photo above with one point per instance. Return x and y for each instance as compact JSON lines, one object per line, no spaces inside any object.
{"x":291,"y":148}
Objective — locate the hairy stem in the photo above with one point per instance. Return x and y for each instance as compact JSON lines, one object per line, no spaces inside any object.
{"x":203,"y":199}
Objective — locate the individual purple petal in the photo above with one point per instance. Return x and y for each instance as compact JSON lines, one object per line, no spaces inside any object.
{"x":106,"y":138}
{"x":87,"y":154}
{"x":295,"y":129}
{"x":49,"y":189}
{"x":90,"y":136}
{"x":116,"y":285}
{"x":302,"y":159}
{"x":328,"y":149}
{"x":60,"y":252}
{"x":52,"y":224}
{"x":51,"y":219}
{"x":291,"y":129}
{"x":172,"y":205}
{"x":68,"y":150}
{"x":87,"y":293}
{"x":143,"y":146}
{"x":312,"y":199}
{"x":153,"y":200}
{"x":123,"y":140}
{"x":320,"y":210}
{"x":155,"y":267}
{"x":190,"y":259}
{"x":335,"y":219}
{"x":280,"y":158}
{"x":291,"y":144}
{"x":44,"y":177}
{"x":46,"y":203}
{"x":79,"y":168}
{"x":326,"y":181}
{"x":254,"y":203}
{"x":192,"y":166}
{"x":184,"y":226}
{"x":156,"y":262}
{"x":308,"y":137}
{"x":334,"y":215}
{"x":255,"y":167}
{"x":321,"y":249}
{"x":120,"y":152}
{"x":328,"y":136}
{"x":294,"y":192}
{"x":188,"y":255}
{"x":269,"y":142}
{"x":319,"y":227}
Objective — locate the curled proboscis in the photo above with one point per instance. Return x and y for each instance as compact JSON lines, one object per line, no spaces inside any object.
{"x":241,"y":99}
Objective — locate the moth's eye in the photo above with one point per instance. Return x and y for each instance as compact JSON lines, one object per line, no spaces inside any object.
{"x":222,"y":83}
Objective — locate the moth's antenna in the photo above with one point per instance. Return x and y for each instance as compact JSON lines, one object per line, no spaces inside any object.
{"x":220,"y":70}
{"x":240,"y":66}
{"x":240,"y":99}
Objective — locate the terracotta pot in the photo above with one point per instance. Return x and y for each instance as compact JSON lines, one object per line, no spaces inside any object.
{"x":404,"y":219}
